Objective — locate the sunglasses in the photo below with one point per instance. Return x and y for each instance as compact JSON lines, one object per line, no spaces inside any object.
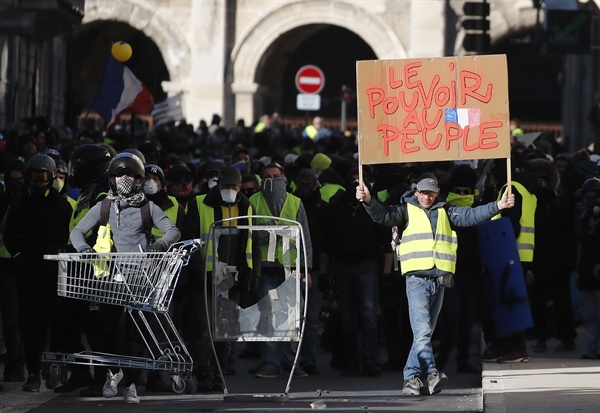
{"x":462,"y":191}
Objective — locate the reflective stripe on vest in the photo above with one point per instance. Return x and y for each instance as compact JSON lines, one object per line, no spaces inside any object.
{"x":526,"y":238}
{"x":207,"y":217}
{"x":419,"y":250}
{"x":290,"y":211}
{"x":171,"y":213}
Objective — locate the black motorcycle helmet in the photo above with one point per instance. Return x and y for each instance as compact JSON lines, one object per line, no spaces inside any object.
{"x":42,"y":167}
{"x":40,"y":172}
{"x":126,"y":163}
{"x":87,"y":164}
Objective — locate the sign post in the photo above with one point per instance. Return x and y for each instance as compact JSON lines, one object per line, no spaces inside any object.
{"x":310,"y":80}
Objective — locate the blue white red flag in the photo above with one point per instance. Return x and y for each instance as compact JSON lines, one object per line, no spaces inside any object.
{"x":121,"y":91}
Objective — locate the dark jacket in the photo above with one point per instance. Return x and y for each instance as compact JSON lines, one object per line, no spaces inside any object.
{"x":36,"y":226}
{"x":248,"y":277}
{"x":588,"y":231}
{"x":349,"y":233}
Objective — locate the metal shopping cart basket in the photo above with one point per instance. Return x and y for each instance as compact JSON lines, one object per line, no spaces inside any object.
{"x":143,"y":283}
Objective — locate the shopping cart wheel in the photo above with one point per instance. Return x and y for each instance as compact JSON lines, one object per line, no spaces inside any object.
{"x":181,"y":384}
{"x":55,"y":376}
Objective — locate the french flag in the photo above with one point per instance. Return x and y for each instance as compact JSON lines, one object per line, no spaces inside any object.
{"x":121,"y":91}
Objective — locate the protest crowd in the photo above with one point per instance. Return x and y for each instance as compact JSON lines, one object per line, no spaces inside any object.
{"x":358,"y":306}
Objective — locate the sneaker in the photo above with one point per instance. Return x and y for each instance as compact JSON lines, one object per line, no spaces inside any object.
{"x":298,"y":371}
{"x":491,"y":356}
{"x":514,"y":357}
{"x":435,"y":381}
{"x":539,"y":346}
{"x":110,"y":385}
{"x":130,"y":394}
{"x":565,"y":346}
{"x":267,"y":371}
{"x":412,"y":386}
{"x":33,"y":383}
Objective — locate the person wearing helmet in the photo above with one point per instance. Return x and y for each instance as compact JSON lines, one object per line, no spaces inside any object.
{"x":87,"y":171}
{"x":127,"y":211}
{"x":37,"y":223}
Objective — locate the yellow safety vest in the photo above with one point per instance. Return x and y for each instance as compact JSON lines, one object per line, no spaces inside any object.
{"x":289,"y":210}
{"x":311,"y":132}
{"x":207,"y":217}
{"x":329,"y":190}
{"x":419,"y":250}
{"x":526,"y":238}
{"x":171,"y":213}
{"x":76,"y":218}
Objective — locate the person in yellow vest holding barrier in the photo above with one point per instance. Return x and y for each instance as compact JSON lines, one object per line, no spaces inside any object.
{"x":242,"y":251}
{"x":427,"y":251}
{"x":273,"y":200}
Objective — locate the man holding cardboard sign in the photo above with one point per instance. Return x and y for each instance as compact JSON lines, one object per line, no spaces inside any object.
{"x":428,"y":258}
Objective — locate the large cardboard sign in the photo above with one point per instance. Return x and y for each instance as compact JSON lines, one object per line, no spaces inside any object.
{"x":447,"y":108}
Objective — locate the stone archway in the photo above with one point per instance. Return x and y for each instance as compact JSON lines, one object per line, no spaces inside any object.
{"x":248,"y":52}
{"x":172,"y":44}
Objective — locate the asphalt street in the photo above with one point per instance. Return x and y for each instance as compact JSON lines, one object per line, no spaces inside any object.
{"x":249,"y":394}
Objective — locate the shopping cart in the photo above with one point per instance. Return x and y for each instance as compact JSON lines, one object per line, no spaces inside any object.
{"x":143,"y":283}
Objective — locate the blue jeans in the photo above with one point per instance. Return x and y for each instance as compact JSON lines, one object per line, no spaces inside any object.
{"x":425,"y":300}
{"x":358,"y":299}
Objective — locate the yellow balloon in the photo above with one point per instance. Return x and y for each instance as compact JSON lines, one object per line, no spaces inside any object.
{"x":121,"y":51}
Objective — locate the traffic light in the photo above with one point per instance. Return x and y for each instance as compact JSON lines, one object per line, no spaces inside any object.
{"x":346,"y":93}
{"x":476,"y":25}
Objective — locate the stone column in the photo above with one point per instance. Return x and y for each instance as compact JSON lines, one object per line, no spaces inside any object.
{"x":244,"y":101}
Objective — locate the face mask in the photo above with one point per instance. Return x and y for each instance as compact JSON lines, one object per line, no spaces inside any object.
{"x":460,"y":200}
{"x":150,"y":187}
{"x":58,"y":184}
{"x":228,"y":195}
{"x":125,"y":186}
{"x":212,"y":182}
{"x":274,"y":185}
{"x":181,"y":191}
{"x":304,"y":191}
{"x":249,"y":192}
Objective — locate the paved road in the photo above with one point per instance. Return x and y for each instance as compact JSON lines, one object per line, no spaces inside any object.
{"x":345,"y":394}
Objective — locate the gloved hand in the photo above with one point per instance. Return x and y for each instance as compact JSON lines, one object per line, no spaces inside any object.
{"x":156,"y":247}
{"x":86,"y":250}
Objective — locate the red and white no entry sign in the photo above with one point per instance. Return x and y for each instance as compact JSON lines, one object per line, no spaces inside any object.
{"x":310,"y":79}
